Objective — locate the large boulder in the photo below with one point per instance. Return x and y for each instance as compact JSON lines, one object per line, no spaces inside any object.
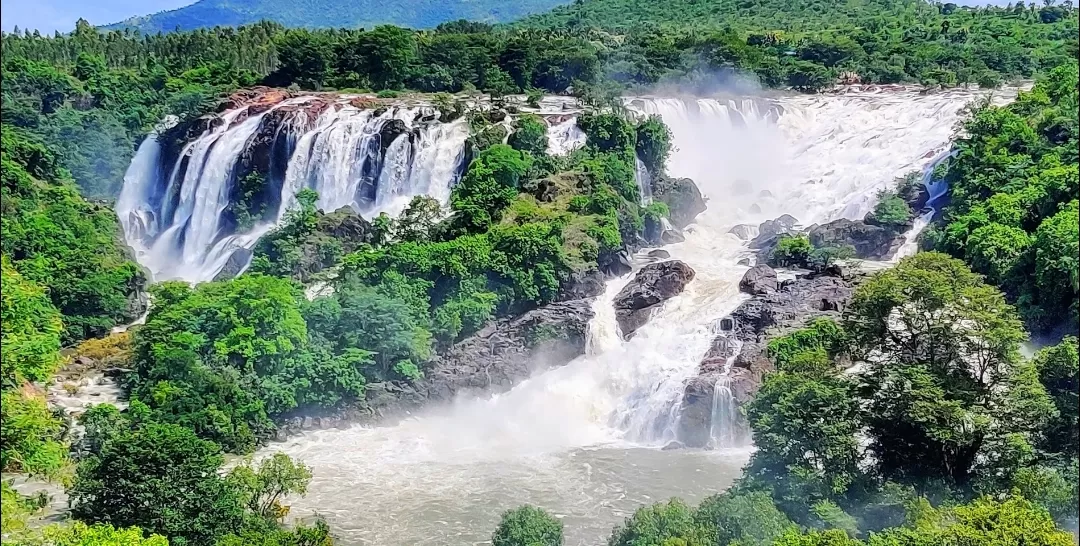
{"x":745,"y":232}
{"x":760,"y":279}
{"x":583,"y":284}
{"x":682,"y":197}
{"x":869,"y":241}
{"x":653,"y":284}
{"x":614,"y":264}
{"x":769,"y":231}
{"x":508,"y":351}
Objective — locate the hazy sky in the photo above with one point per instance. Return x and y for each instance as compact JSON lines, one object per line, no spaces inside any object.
{"x":50,"y":15}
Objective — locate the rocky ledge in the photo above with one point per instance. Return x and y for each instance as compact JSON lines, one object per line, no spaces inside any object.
{"x":491,"y":361}
{"x":737,"y":355}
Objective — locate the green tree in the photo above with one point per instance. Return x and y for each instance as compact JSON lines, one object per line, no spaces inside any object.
{"x":30,"y":331}
{"x":949,"y":387}
{"x":488,"y":187}
{"x":263,"y":488}
{"x":528,"y":526}
{"x":102,"y":534}
{"x":984,"y":522}
{"x":749,"y":519}
{"x":662,"y":524}
{"x":1059,"y":372}
{"x":159,"y":477}
{"x":529,"y":136}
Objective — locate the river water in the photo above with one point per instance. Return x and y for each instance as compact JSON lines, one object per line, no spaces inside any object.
{"x":584,"y":441}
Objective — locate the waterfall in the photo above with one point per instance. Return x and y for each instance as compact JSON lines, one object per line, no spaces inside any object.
{"x":582,"y":440}
{"x":182,"y":219}
{"x":725,"y":428}
{"x":565,"y":137}
{"x":644,"y":181}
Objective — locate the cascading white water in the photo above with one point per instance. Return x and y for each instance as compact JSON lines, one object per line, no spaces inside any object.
{"x":582,"y":440}
{"x":565,"y":137}
{"x":175,"y":216}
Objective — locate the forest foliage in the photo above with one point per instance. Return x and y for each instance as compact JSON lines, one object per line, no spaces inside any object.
{"x":1013,"y":213}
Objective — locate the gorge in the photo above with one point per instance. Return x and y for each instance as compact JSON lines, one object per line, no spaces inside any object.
{"x":582,"y":440}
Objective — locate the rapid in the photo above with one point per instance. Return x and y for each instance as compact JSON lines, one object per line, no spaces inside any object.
{"x":584,"y":441}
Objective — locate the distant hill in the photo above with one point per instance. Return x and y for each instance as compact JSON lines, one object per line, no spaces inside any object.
{"x":335,"y":13}
{"x":792,"y":15}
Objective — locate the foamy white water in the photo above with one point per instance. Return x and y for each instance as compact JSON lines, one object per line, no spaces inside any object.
{"x":174,"y":216}
{"x":583,"y":440}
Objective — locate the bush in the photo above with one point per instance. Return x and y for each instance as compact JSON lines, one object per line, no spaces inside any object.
{"x":653,"y":144}
{"x":792,"y":251}
{"x":528,"y":526}
{"x":891,"y":211}
{"x":530,"y":135}
{"x":661,"y":524}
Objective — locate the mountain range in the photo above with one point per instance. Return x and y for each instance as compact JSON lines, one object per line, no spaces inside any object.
{"x":334,"y":13}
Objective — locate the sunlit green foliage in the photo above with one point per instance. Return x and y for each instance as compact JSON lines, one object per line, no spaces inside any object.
{"x":54,"y":237}
{"x":528,"y":526}
{"x":1014,"y":185}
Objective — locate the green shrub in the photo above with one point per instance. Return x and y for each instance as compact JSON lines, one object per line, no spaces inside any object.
{"x":528,"y":526}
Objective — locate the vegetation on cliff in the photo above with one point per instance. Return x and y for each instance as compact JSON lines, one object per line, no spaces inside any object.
{"x":1014,"y":187}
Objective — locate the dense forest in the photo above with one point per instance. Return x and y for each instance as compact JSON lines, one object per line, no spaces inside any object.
{"x":921,"y":446}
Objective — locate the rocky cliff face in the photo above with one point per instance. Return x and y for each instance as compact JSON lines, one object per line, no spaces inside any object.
{"x":737,"y":354}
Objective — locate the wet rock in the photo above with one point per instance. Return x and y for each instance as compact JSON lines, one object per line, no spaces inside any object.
{"x":508,"y":351}
{"x":346,"y":226}
{"x":390,"y":131}
{"x":137,"y":301}
{"x":744,"y":261}
{"x":653,"y":284}
{"x":682,"y":197}
{"x":760,"y":279}
{"x":673,"y":445}
{"x":583,"y":284}
{"x":258,"y":96}
{"x":671,"y":236}
{"x":869,"y":242}
{"x":744,"y":231}
{"x":659,"y":254}
{"x":744,"y":335}
{"x":770,"y":230}
{"x":615,"y":264}
{"x":695,"y":412}
{"x":238,"y":260}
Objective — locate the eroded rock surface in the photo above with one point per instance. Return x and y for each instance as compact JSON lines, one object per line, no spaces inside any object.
{"x":737,"y":355}
{"x":653,"y":284}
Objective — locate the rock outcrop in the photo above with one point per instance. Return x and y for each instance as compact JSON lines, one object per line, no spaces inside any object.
{"x":682,"y":197}
{"x":760,"y":279}
{"x":653,"y":284}
{"x":770,"y":230}
{"x":869,"y":241}
{"x":737,"y":355}
{"x":745,"y":232}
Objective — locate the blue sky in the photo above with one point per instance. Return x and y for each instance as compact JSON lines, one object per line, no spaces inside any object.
{"x":51,"y":15}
